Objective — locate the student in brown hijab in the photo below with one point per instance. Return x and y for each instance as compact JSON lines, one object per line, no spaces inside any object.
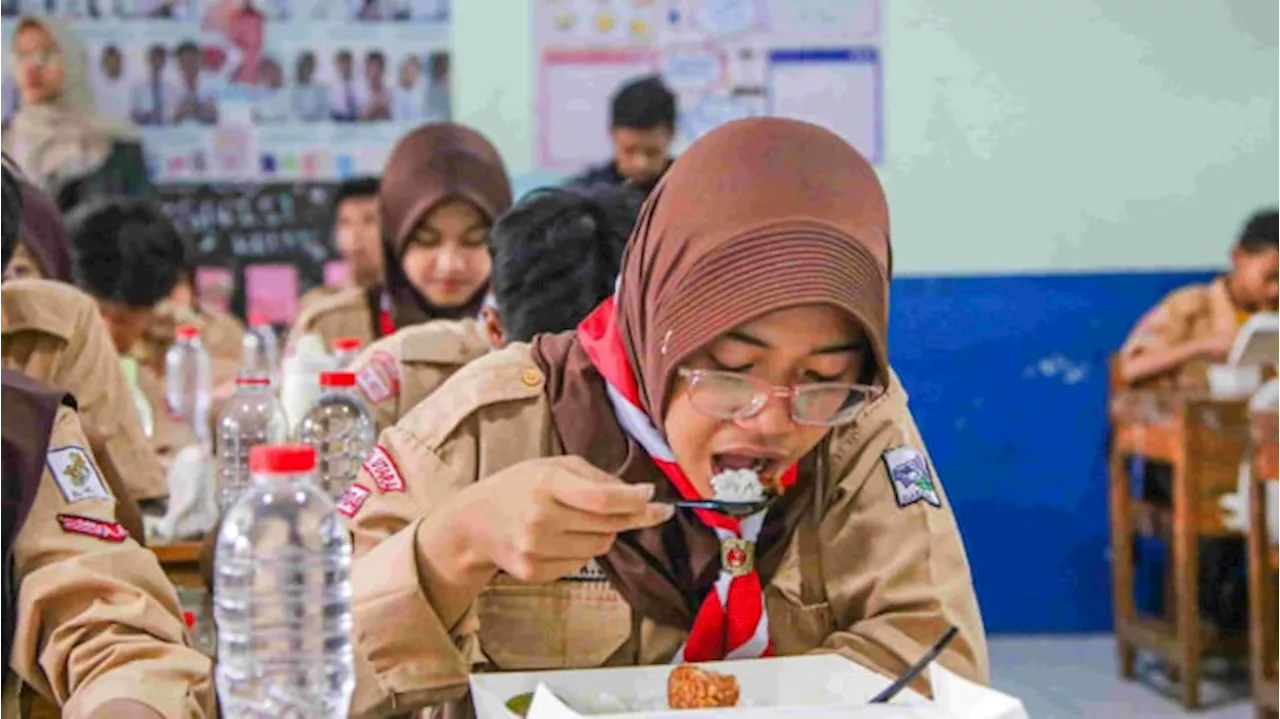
{"x":443,"y":188}
{"x":519,"y":517}
{"x":42,"y":251}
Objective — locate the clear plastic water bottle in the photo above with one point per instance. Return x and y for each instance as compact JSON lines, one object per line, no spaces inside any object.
{"x":282,"y":597}
{"x":252,"y":417}
{"x":188,"y":381}
{"x":260,"y":349}
{"x":346,"y":349}
{"x":341,"y":430}
{"x":141,"y":405}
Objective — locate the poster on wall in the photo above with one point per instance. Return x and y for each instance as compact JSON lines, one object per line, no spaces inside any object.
{"x":816,"y":60}
{"x":258,"y":90}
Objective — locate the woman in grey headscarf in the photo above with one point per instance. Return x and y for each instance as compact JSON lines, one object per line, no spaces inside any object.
{"x":58,"y":138}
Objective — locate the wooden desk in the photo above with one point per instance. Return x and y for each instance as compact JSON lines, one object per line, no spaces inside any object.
{"x":1263,"y":648}
{"x":181,"y":563}
{"x":1203,"y":440}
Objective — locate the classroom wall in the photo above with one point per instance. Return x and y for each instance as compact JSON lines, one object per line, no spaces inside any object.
{"x":1053,"y":168}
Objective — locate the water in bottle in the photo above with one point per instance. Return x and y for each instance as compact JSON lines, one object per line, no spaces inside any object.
{"x":260,"y":349}
{"x":346,"y":349}
{"x":188,"y":381}
{"x":282,"y":598}
{"x":251,"y":418}
{"x":341,"y":430}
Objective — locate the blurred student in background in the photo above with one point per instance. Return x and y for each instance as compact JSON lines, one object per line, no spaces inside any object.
{"x":129,"y":256}
{"x":443,"y":187}
{"x":555,"y":257}
{"x":344,"y":101}
{"x":376,"y":96}
{"x":110,"y":87}
{"x":356,"y":235}
{"x":58,"y":138}
{"x":642,"y":126}
{"x":1194,"y":327}
{"x":149,"y":98}
{"x":310,"y":97}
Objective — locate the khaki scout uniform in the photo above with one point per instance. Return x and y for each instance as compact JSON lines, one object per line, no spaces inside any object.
{"x":53,"y":333}
{"x":315,"y":296}
{"x":346,"y":314}
{"x":96,"y":618}
{"x":866,"y":574}
{"x":397,"y":372}
{"x":1186,"y":314}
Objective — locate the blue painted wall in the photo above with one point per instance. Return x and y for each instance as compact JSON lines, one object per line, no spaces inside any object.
{"x":1007,"y":377}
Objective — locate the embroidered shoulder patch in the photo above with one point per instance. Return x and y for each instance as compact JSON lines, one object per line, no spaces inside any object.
{"x":909,"y":473}
{"x":75,"y":474}
{"x":386,"y":475}
{"x":352,"y":500}
{"x":106,"y":531}
{"x":380,"y":379}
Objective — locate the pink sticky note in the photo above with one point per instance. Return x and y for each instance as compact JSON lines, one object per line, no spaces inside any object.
{"x":214,"y":287}
{"x":336,"y":273}
{"x":271,"y":292}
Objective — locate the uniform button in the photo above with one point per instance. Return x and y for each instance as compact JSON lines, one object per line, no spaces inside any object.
{"x":531,"y":377}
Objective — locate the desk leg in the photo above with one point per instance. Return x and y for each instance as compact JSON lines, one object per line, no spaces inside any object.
{"x":1122,"y":564}
{"x":1186,"y":567}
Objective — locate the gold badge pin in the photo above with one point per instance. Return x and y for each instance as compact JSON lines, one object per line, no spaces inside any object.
{"x":531,"y":377}
{"x":737,"y":556}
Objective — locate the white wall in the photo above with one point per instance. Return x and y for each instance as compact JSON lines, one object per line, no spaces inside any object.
{"x":1046,"y":136}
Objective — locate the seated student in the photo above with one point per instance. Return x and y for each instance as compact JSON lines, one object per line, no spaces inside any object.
{"x":1173,"y":345}
{"x":91,"y":622}
{"x":642,"y":126}
{"x":52,"y":332}
{"x":555,"y":257}
{"x":42,"y":241}
{"x":357,"y":237}
{"x":443,"y":187}
{"x":520,"y":517}
{"x":128,"y":255}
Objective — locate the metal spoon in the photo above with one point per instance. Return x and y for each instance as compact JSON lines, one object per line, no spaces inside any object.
{"x":914,"y":670}
{"x":731,"y":509}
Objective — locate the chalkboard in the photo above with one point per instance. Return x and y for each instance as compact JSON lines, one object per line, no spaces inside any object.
{"x":238,"y":226}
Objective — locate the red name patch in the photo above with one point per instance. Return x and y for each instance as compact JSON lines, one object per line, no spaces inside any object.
{"x":352,"y":500}
{"x":380,"y":379}
{"x":108,"y":531}
{"x":383,"y":469}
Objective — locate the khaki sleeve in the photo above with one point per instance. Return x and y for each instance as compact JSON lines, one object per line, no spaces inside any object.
{"x":893,"y":564}
{"x":97,"y":618}
{"x":90,"y":370}
{"x":398,"y":670}
{"x":1168,"y":324}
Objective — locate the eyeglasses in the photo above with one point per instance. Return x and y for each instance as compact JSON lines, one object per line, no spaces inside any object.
{"x":733,"y":396}
{"x":37,"y":57}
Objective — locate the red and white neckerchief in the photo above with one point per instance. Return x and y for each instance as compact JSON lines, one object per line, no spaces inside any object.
{"x":386,"y":323}
{"x":731,"y":623}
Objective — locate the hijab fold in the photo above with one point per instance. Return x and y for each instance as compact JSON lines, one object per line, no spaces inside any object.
{"x":757,"y":216}
{"x":432,"y":165}
{"x":66,"y":137}
{"x":44,"y":235}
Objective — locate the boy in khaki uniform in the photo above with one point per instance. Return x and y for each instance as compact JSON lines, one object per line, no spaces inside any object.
{"x":357,"y":236}
{"x":1174,"y":344}
{"x":555,"y":257}
{"x":97,"y":628}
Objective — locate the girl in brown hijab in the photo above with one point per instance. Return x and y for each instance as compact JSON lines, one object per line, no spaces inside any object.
{"x":42,"y":251}
{"x":443,"y":187}
{"x":521,"y":517}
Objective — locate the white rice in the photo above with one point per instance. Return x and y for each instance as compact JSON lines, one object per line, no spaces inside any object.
{"x":738,"y":485}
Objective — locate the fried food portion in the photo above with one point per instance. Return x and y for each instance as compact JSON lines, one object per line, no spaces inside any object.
{"x":689,"y":687}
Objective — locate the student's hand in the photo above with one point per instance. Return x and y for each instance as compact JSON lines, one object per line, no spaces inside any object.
{"x":1217,"y":346}
{"x":543,"y":519}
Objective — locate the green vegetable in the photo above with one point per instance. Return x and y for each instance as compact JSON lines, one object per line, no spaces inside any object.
{"x":519,"y":704}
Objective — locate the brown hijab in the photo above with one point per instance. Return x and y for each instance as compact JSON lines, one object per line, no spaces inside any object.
{"x":432,"y":165}
{"x":759,"y":215}
{"x":44,"y":235}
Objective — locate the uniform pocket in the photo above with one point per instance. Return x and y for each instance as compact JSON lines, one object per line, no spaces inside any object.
{"x":797,"y":628}
{"x":561,"y":625}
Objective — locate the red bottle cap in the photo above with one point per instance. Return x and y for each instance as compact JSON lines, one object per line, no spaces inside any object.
{"x":282,"y":458}
{"x":186,"y":332}
{"x":347,"y":344}
{"x":337,"y":379}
